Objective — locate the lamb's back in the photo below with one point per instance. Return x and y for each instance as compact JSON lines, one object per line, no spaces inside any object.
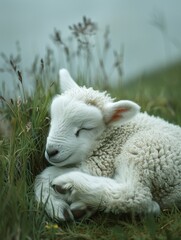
{"x":144,"y":140}
{"x":155,"y":152}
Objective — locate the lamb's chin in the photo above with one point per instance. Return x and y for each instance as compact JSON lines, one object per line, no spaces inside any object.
{"x":70,"y":161}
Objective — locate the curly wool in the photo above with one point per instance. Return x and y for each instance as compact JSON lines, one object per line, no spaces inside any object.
{"x":152,"y":145}
{"x":101,"y":161}
{"x":147,"y":141}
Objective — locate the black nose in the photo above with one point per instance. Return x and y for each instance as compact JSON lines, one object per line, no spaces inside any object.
{"x":52,"y":153}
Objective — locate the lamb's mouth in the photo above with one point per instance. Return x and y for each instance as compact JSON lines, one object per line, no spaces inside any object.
{"x":56,"y":160}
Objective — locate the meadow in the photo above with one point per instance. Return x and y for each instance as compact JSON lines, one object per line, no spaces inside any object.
{"x":22,"y":149}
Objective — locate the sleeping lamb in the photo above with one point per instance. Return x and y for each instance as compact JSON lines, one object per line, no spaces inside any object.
{"x":107,"y":156}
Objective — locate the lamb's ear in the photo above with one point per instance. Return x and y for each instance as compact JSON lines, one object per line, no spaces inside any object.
{"x":66,"y":81}
{"x":121,"y":111}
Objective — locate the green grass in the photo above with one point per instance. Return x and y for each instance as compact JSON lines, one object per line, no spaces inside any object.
{"x":22,"y":157}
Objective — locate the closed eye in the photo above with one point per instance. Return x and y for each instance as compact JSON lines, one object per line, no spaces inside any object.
{"x":81,"y":129}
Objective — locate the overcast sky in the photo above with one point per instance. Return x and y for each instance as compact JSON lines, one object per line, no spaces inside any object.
{"x":32,"y":21}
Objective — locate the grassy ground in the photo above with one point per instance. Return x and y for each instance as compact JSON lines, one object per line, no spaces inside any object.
{"x":22,"y":157}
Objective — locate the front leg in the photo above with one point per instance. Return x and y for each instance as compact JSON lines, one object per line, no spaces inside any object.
{"x":101,"y":193}
{"x":56,"y":204}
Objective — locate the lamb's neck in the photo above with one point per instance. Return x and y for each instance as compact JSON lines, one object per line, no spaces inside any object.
{"x":101,"y":160}
{"x":117,"y":135}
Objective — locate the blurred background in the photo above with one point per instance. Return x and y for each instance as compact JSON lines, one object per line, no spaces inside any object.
{"x":146,"y":34}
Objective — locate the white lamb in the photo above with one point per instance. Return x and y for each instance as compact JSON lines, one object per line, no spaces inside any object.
{"x":107,"y":156}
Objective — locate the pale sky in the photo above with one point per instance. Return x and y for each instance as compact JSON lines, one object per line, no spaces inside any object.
{"x":32,"y":22}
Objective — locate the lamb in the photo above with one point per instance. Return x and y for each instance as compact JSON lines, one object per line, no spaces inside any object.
{"x":107,"y":156}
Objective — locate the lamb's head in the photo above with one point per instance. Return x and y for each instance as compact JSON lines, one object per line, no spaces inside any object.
{"x":78,"y":118}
